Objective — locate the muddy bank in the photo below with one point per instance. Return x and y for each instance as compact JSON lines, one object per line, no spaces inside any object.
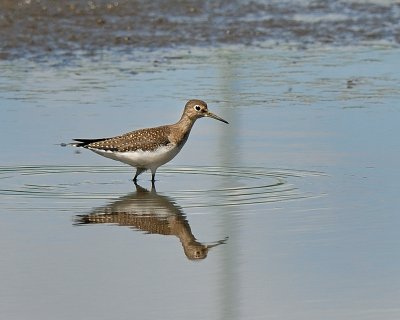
{"x":39,"y":28}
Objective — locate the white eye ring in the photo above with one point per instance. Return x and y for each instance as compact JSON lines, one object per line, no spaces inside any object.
{"x":197,"y":107}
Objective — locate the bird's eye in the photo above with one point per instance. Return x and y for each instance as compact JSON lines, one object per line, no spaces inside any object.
{"x":197,"y":107}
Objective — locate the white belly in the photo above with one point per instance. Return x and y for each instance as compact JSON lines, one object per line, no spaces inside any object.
{"x":143,"y":159}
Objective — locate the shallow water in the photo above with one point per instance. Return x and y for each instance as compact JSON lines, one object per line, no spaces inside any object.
{"x":290,"y":210}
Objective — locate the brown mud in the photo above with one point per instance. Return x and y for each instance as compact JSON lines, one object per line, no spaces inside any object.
{"x":37,"y":29}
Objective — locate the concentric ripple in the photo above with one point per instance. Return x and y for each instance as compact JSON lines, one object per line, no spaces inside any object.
{"x":243,"y":186}
{"x":50,"y":187}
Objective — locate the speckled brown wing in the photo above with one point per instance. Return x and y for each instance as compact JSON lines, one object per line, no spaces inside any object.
{"x":147,"y":223}
{"x":144,"y":139}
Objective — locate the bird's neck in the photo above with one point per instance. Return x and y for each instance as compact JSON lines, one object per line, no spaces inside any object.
{"x":182,"y":128}
{"x":186,"y":122}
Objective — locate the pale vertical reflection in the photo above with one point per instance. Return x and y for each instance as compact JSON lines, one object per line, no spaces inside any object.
{"x":229,"y":156}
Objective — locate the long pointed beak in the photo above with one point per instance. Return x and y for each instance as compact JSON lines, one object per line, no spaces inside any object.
{"x":217,"y":243}
{"x":212,"y":115}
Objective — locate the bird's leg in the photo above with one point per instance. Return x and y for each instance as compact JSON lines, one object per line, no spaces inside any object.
{"x":153,"y":176}
{"x":138,"y":171}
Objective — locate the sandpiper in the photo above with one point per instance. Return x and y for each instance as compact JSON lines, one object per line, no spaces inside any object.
{"x":148,"y":149}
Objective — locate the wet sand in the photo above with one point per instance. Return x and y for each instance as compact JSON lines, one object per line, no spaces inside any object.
{"x":38,"y":29}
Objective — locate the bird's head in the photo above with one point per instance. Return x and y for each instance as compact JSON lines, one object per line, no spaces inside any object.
{"x":196,"y":109}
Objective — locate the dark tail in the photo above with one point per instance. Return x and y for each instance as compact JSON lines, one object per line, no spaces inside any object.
{"x":84,"y":142}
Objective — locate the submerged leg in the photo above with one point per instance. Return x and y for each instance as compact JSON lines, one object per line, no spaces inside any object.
{"x":153,"y":176}
{"x":138,"y":172}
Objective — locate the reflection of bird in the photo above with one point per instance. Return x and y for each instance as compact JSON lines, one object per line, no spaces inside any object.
{"x":150,"y":148}
{"x":152,"y":213}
